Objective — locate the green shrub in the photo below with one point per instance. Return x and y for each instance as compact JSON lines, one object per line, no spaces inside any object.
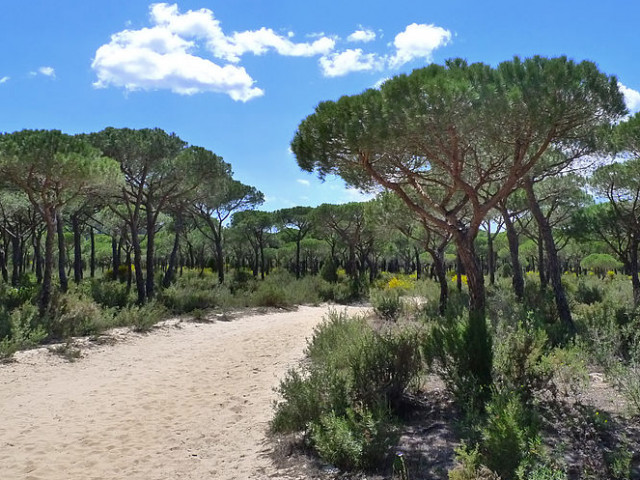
{"x":386,"y":303}
{"x":505,"y":437}
{"x":270,"y":295}
{"x":329,"y":271}
{"x":460,"y":351}
{"x":469,"y":466}
{"x":519,"y":364}
{"x":359,"y":439}
{"x":25,"y":330}
{"x":141,"y":318}
{"x":589,"y":291}
{"x":110,"y":294}
{"x":384,"y":367}
{"x":74,"y":314}
{"x":342,"y":395}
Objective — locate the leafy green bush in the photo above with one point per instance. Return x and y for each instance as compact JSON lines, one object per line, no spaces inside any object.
{"x":460,"y":351}
{"x":75,"y":314}
{"x":509,"y":429}
{"x":469,"y":466}
{"x":269,"y":294}
{"x":329,"y":271}
{"x":589,"y":291}
{"x":359,"y":439}
{"x":342,"y":395}
{"x":141,"y":317}
{"x":384,"y":367}
{"x":519,"y":364}
{"x":386,"y":303}
{"x":110,"y":294}
{"x":25,"y":330}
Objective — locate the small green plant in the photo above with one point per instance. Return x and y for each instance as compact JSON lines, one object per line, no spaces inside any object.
{"x":67,"y":351}
{"x":399,"y":467}
{"x":619,"y":461}
{"x":387,"y":303}
{"x":359,"y":439}
{"x":142,"y":318}
{"x":469,"y":466}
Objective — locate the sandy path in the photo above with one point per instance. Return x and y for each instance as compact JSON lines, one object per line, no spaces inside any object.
{"x":181,"y":403}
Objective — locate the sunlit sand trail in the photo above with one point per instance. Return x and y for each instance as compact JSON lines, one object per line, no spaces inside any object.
{"x":180,"y":403}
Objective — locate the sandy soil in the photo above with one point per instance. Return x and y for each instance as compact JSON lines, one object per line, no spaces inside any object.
{"x":189,"y":401}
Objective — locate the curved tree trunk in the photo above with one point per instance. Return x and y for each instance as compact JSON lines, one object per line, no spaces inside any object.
{"x":47,"y":274}
{"x":92,"y":262}
{"x":441,"y":274}
{"x":77,"y":250}
{"x":62,"y":254}
{"x":514,"y":251}
{"x":170,"y":273}
{"x":555,"y":273}
{"x":477,"y":337}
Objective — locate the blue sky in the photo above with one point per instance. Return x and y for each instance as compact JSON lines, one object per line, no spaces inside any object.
{"x":237,"y":76}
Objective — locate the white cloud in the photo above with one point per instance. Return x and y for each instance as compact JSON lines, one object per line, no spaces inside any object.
{"x":418,"y":41}
{"x":362,"y":35}
{"x":4,"y":80}
{"x":379,"y":83}
{"x":631,"y":98}
{"x":164,"y":56}
{"x":352,"y":60}
{"x":47,"y":71}
{"x":304,"y":182}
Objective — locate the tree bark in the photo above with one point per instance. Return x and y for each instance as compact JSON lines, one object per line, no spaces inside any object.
{"x":92,"y":262}
{"x":170,"y":273}
{"x":512,"y":237}
{"x":137,"y":263}
{"x":151,"y":234}
{"x":47,"y":275}
{"x":16,"y":257}
{"x":555,"y":273}
{"x":62,"y":254}
{"x":541,"y":261}
{"x":37,"y":253}
{"x":418,"y":263}
{"x":633,"y":269}
{"x":77,"y":250}
{"x":441,"y":274}
{"x":490,"y":262}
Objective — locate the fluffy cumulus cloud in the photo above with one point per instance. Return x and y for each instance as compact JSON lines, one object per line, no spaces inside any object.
{"x":631,"y":98}
{"x":362,"y":35}
{"x":352,"y":60}
{"x":189,"y":52}
{"x":418,"y":41}
{"x":47,"y":71}
{"x":4,"y":79}
{"x":164,"y":56}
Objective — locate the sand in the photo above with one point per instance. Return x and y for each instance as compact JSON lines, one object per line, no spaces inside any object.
{"x":187,"y":401}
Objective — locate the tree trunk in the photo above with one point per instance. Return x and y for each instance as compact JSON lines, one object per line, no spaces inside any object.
{"x":541,"y":261}
{"x":92,"y":261}
{"x":512,"y":237}
{"x":477,"y":337}
{"x":16,"y":257}
{"x":298,"y":257}
{"x":151,"y":234}
{"x":3,"y":265}
{"x":441,"y":274}
{"x":137,"y":263}
{"x":458,"y":272}
{"x":418,"y":263}
{"x":47,"y":275}
{"x":62,"y":254}
{"x":37,"y":253}
{"x":77,"y":250}
{"x":170,"y":273}
{"x":555,"y":273}
{"x":633,"y":270}
{"x":490,"y":262}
